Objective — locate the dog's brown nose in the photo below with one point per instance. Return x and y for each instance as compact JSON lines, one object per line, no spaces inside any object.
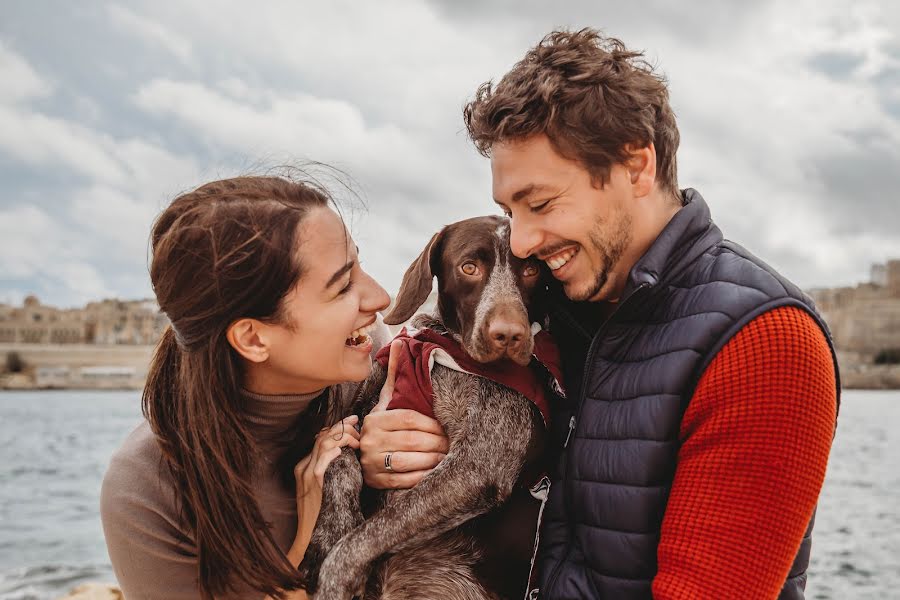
{"x":506,"y":334}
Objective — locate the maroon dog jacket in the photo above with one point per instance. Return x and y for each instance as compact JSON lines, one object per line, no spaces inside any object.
{"x":425,"y":347}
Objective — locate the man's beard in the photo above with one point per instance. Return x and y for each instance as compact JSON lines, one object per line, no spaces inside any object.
{"x":610,"y":243}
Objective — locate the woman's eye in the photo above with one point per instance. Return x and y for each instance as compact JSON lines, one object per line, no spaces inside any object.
{"x":346,"y":288}
{"x":469,"y":268}
{"x":539,"y":207}
{"x":530,"y":271}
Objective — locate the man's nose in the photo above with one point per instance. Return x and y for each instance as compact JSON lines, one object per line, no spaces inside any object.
{"x":524,"y":238}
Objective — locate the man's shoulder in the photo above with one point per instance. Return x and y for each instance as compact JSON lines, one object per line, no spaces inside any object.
{"x":729,"y":263}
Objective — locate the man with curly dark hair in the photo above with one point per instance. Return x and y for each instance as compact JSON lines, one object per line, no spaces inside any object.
{"x":703,"y":387}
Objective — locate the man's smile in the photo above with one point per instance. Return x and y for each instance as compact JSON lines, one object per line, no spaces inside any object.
{"x":560,"y":259}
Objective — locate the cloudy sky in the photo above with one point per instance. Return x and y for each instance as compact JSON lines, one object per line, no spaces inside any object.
{"x":789,"y":114}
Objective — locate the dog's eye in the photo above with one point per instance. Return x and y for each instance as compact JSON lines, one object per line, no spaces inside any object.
{"x":469,"y":268}
{"x":530,"y":271}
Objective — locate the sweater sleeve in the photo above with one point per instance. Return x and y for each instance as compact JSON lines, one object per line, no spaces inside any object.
{"x":755,"y":443}
{"x":151,"y":558}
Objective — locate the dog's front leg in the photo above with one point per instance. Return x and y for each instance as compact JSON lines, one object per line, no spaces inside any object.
{"x":342,"y":484}
{"x":340,"y":513}
{"x":478,"y":474}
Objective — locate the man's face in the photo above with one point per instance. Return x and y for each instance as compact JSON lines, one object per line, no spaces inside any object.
{"x":558,"y":215}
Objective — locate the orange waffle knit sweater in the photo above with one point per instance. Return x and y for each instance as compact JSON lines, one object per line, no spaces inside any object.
{"x":755,"y":442}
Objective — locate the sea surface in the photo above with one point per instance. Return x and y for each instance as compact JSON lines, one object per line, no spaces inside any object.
{"x":54,"y":448}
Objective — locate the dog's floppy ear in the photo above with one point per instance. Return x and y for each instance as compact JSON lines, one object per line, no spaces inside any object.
{"x":416,"y":282}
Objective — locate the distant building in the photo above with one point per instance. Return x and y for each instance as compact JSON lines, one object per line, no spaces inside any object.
{"x":108,"y":322}
{"x":34,"y":323}
{"x":879,"y":275}
{"x":864,"y":319}
{"x":124,"y":322}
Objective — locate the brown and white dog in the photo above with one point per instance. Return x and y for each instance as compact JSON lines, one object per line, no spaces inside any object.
{"x":426,"y":542}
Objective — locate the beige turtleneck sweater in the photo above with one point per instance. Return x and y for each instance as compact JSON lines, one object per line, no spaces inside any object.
{"x":152,"y":555}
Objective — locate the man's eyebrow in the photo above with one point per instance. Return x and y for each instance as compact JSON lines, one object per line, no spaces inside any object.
{"x":525,"y":192}
{"x":340,"y":273}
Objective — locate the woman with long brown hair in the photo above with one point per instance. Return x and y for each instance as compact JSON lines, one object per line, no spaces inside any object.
{"x":217,"y":492}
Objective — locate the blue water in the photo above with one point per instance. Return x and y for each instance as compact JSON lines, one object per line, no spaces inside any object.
{"x":54,"y":447}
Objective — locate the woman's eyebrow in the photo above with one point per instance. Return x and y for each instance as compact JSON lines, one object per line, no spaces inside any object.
{"x":340,"y":273}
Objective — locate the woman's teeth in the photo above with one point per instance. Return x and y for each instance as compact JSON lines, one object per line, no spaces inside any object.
{"x":558,"y":260}
{"x":360,"y":336}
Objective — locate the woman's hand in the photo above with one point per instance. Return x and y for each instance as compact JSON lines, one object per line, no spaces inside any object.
{"x":415,"y":442}
{"x":310,"y":475}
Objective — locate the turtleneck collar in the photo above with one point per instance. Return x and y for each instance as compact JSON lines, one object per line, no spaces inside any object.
{"x":276,"y":413}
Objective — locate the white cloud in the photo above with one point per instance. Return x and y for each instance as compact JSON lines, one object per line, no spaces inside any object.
{"x":39,"y":140}
{"x":67,"y":245}
{"x":18,"y":81}
{"x":20,"y":226}
{"x":114,"y":219}
{"x":757,"y":125}
{"x":58,"y":263}
{"x":280,"y":123}
{"x":107,"y":219}
{"x":412,"y":186}
{"x":779,"y":106}
{"x":79,"y":282}
{"x":398,"y":61}
{"x":151,"y":32}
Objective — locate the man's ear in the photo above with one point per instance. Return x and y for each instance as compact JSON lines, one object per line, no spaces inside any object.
{"x":641,"y":166}
{"x":248,"y":338}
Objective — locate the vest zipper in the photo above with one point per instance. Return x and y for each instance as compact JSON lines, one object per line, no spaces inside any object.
{"x":573,"y":421}
{"x":571,"y":429}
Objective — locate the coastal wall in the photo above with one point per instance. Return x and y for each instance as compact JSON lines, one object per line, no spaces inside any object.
{"x":78,"y":366}
{"x":94,"y":591}
{"x":864,"y":320}
{"x":860,"y":374}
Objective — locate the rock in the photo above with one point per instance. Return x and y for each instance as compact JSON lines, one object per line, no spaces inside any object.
{"x":870,"y":377}
{"x":94,"y":591}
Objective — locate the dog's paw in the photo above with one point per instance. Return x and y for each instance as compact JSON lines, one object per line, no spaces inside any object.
{"x":339,"y":579}
{"x":310,"y":566}
{"x":330,"y":589}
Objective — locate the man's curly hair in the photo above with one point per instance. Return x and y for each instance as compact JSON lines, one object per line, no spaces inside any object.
{"x":590,"y":95}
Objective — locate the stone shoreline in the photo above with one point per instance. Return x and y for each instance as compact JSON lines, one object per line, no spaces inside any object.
{"x":94,"y":591}
{"x":871,"y":377}
{"x":77,"y":366}
{"x":855,"y":374}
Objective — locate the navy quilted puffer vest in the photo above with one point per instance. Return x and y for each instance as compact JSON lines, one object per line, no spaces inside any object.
{"x":632,"y":379}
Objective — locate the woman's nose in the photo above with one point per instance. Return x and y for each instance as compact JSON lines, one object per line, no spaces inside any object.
{"x":375,"y":298}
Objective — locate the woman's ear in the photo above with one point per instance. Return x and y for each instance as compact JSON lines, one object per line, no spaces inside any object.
{"x":247,"y":337}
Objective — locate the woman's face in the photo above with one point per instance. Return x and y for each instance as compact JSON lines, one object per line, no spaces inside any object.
{"x":321,"y":338}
